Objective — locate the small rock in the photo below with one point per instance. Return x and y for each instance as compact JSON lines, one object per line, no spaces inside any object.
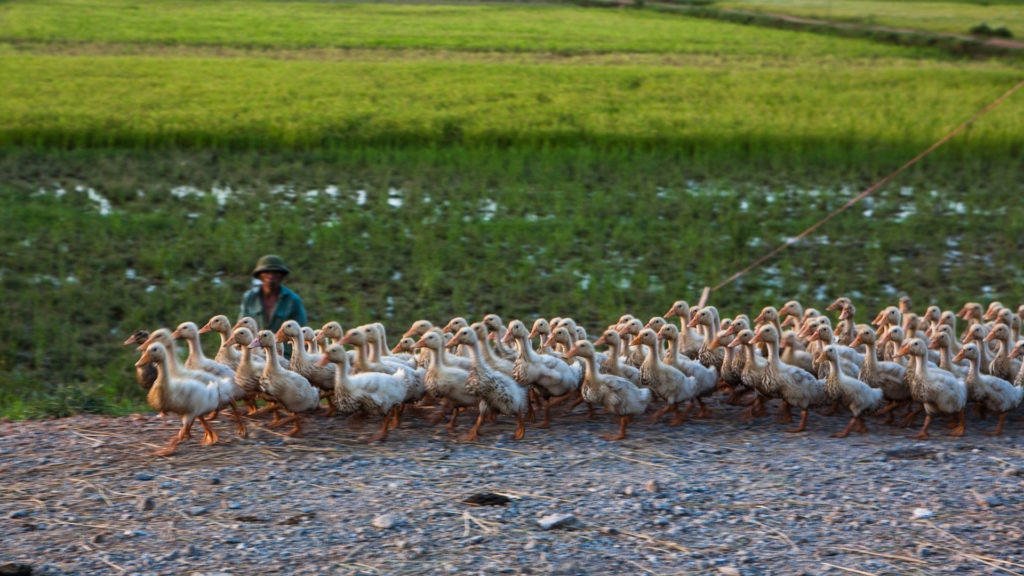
{"x":1011,"y":472}
{"x":144,"y":476}
{"x":174,"y":555}
{"x":555,"y":521}
{"x":473,"y":540}
{"x":729,"y":571}
{"x":986,"y":500}
{"x":190,"y":550}
{"x":924,"y":551}
{"x":652,"y":486}
{"x":145,"y":503}
{"x":18,"y":514}
{"x":919,"y":513}
{"x":99,"y":538}
{"x":196,"y":510}
{"x":385,"y":521}
{"x":15,"y":569}
{"x":628,"y":491}
{"x":214,"y":480}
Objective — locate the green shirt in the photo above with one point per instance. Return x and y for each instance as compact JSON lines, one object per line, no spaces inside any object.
{"x":289,"y":307}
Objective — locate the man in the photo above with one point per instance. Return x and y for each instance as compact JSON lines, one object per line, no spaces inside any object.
{"x":270,"y":303}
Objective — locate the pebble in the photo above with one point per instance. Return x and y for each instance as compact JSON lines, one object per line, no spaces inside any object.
{"x":18,"y":514}
{"x":652,"y":486}
{"x":145,"y":504}
{"x":385,"y":521}
{"x":556,"y":521}
{"x":919,"y":513}
{"x":196,"y":510}
{"x":144,"y":476}
{"x":729,"y":571}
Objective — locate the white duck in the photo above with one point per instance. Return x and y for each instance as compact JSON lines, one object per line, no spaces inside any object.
{"x":196,"y":360}
{"x":442,"y":381}
{"x":613,"y":363}
{"x":552,"y":379}
{"x":227,"y":355}
{"x":996,"y":394}
{"x":495,"y":326}
{"x":689,"y":340}
{"x":794,"y":385}
{"x":667,"y":382}
{"x":856,"y":395}
{"x":372,"y":392}
{"x":618,"y":395}
{"x":184,"y":396}
{"x":288,"y":389}
{"x":497,"y":392}
{"x":886,"y":376}
{"x":937,"y":390}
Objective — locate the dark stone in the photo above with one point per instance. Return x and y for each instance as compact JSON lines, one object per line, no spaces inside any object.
{"x":15,"y":569}
{"x":487,"y":499}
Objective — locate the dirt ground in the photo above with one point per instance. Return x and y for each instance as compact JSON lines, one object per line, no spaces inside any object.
{"x":84,"y":495}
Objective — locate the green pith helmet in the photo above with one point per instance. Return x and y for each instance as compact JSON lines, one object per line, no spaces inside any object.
{"x":270,"y":263}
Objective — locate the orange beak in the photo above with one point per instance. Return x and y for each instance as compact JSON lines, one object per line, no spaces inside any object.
{"x":550,"y":340}
{"x":635,"y":341}
{"x":670,"y":313}
{"x":206,"y":328}
{"x":144,"y":360}
{"x":904,"y":350}
{"x":856,"y":342}
{"x":692,"y":323}
{"x":757,"y":339}
{"x":280,"y":337}
{"x":322,"y":361}
{"x":571,"y":353}
{"x":989,"y":337}
{"x":230,"y":341}
{"x":602,"y":341}
{"x":451,"y":344}
{"x":959,"y":356}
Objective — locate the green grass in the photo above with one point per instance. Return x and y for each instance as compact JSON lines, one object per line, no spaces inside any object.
{"x":259,"y":24}
{"x":546,"y":160}
{"x":951,"y":16}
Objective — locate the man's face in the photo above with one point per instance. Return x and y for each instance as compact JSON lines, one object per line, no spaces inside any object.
{"x":271,"y":280}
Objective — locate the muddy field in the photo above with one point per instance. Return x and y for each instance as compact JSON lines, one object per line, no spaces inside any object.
{"x":83,"y":495}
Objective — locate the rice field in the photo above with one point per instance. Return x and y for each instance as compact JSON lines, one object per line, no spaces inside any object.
{"x":950,"y":16}
{"x":408,"y":163}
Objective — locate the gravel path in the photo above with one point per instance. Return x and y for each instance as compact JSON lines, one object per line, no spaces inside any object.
{"x":82,"y":495}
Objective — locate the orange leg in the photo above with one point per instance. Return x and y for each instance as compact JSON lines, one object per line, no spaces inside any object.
{"x":803,"y":422}
{"x":397,"y":418}
{"x":680,"y":417}
{"x":959,"y":430}
{"x":546,"y":422}
{"x":923,"y":434}
{"x":846,"y":431}
{"x":383,"y":434}
{"x":909,"y":419}
{"x":862,"y":426}
{"x":785,"y":413}
{"x":999,"y":427}
{"x":170,"y":448}
{"x":832,"y":410}
{"x":474,"y":433}
{"x":210,"y":438}
{"x":451,"y":423}
{"x":657,"y":415}
{"x":238,"y":419}
{"x":623,"y":422}
{"x":520,"y":429}
{"x":704,"y":411}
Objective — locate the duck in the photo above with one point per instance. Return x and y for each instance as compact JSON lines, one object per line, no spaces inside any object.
{"x":943,"y":342}
{"x":372,"y":392}
{"x":289,"y":389}
{"x":145,"y":374}
{"x":752,"y":375}
{"x":851,"y":392}
{"x":1002,"y":366}
{"x":542,"y":328}
{"x":358,"y":338}
{"x":938,"y":391}
{"x":976,"y":333}
{"x":549,"y":377}
{"x":452,"y":327}
{"x":794,"y":385}
{"x":689,"y":340}
{"x":493,"y":360}
{"x":497,"y":392}
{"x":972,"y":313}
{"x":670,"y":384}
{"x":885,"y":376}
{"x":905,"y":304}
{"x":187,"y":397}
{"x":177,"y":369}
{"x":706,"y":377}
{"x":443,"y":381}
{"x":309,"y":339}
{"x":994,"y":393}
{"x":852,"y":360}
{"x":418,"y":329}
{"x":560,"y":337}
{"x":633,"y":356}
{"x":497,"y":327}
{"x":196,"y":360}
{"x":250,"y":368}
{"x":793,"y":313}
{"x":1018,"y":352}
{"x":613,"y":363}
{"x":794,"y":353}
{"x":332,"y":333}
{"x":377,"y":347}
{"x":709,"y":319}
{"x":303,"y":362}
{"x":618,"y":395}
{"x":226,"y":355}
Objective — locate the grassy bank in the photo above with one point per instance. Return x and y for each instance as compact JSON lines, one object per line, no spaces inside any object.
{"x":101,"y":243}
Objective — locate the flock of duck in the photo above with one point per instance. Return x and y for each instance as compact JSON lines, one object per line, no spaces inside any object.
{"x":906,"y":362}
